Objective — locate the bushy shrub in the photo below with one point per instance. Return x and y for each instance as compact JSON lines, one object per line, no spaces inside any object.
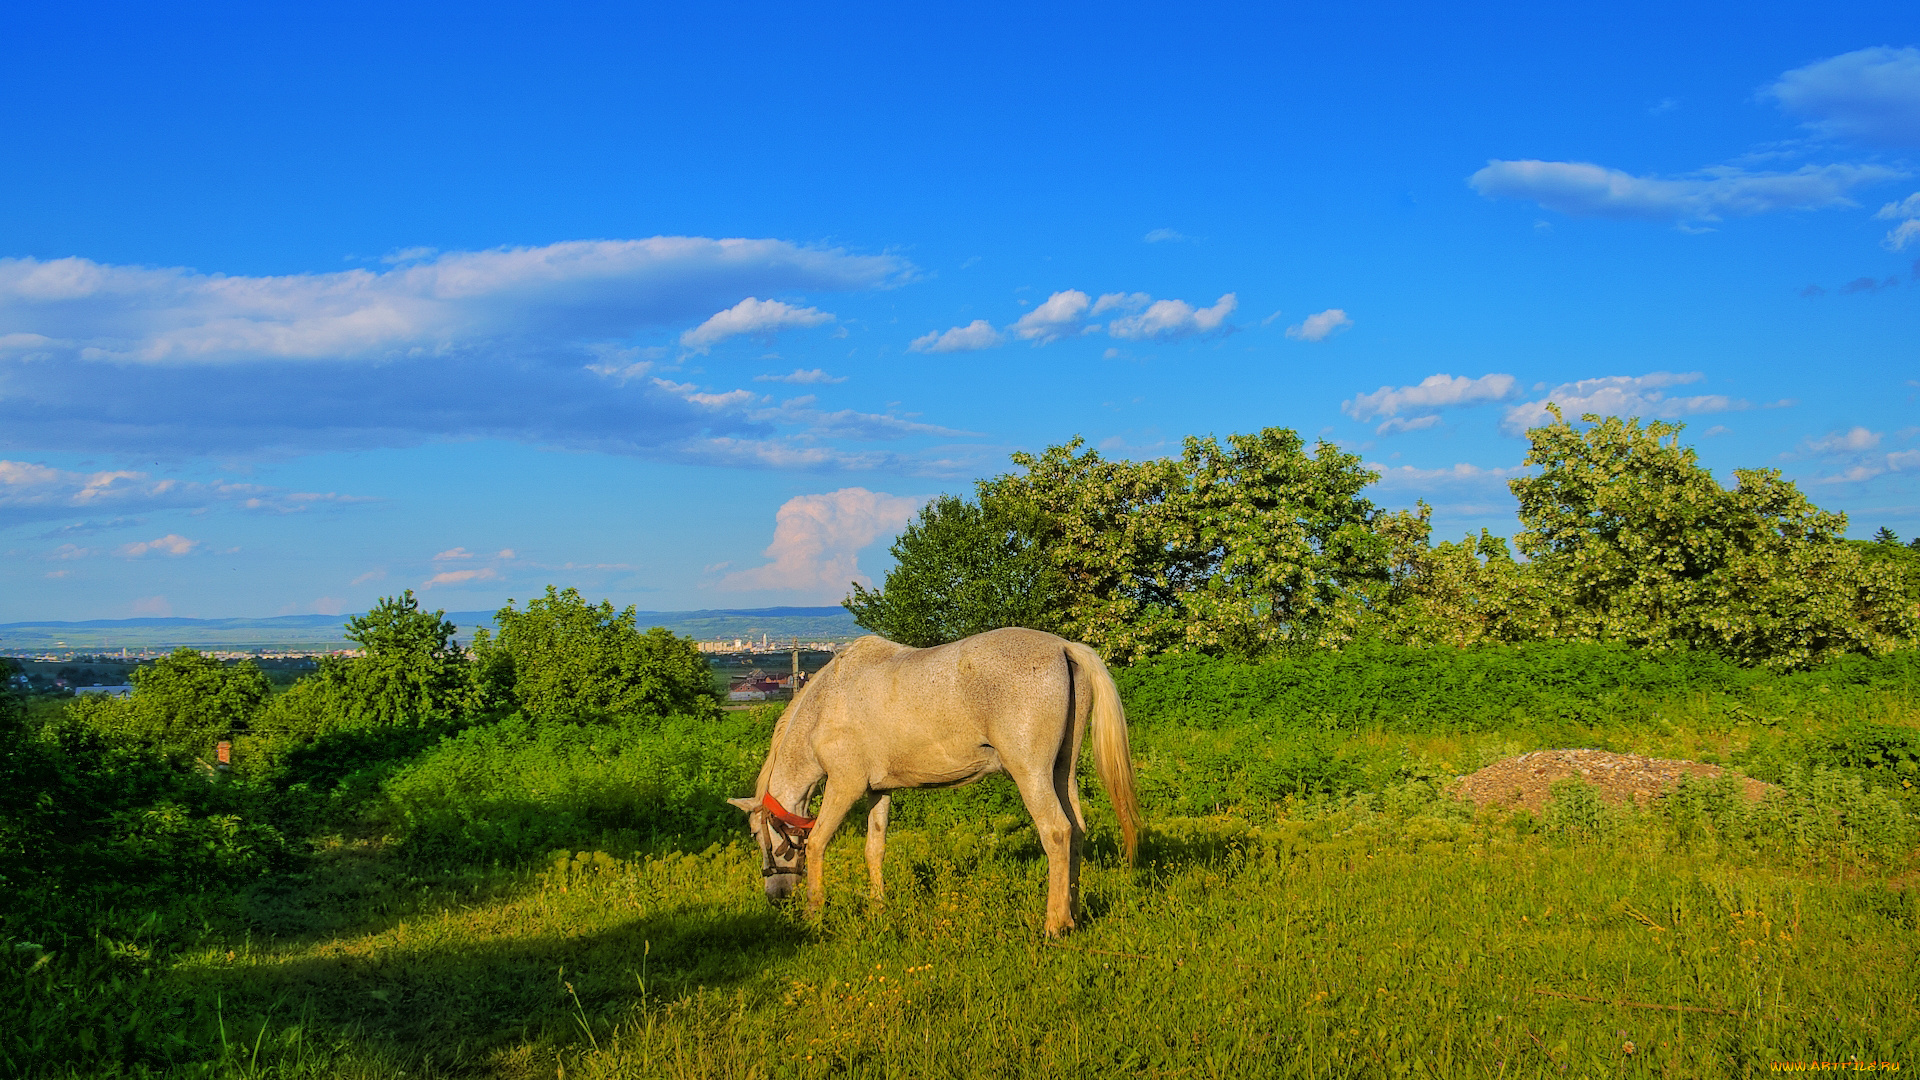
{"x":520,"y":787}
{"x":181,"y":704}
{"x":565,"y":659}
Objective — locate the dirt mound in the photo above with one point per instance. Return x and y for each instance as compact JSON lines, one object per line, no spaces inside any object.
{"x":1620,"y":778}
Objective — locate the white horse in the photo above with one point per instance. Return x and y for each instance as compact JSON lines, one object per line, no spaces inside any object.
{"x":883,"y":716}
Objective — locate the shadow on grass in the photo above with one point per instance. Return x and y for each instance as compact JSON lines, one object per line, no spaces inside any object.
{"x":451,"y":1001}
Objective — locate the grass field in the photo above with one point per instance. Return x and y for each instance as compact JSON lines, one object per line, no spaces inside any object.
{"x":1353,"y":942}
{"x":559,"y":901}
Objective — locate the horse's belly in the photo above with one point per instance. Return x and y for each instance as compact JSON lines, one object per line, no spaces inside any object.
{"x":939,"y":769}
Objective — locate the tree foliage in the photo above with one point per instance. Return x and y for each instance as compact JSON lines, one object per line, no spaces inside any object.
{"x":1242,"y":548}
{"x":1632,"y":540}
{"x":1470,"y":592}
{"x":1257,"y":546}
{"x":962,"y":568}
{"x":410,"y":674}
{"x":563,"y":658}
{"x":181,"y":704}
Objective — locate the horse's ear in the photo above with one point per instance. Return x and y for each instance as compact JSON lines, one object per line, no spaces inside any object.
{"x":745,"y":806}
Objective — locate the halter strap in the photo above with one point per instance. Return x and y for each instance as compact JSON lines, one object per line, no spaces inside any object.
{"x":781,"y":814}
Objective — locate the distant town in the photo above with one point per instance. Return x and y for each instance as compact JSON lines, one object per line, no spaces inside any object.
{"x":751,"y":670}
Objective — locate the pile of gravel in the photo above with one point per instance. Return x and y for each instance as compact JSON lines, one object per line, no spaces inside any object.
{"x":1620,"y":778}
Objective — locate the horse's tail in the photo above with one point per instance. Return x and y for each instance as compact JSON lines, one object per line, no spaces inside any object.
{"x":1112,"y":757}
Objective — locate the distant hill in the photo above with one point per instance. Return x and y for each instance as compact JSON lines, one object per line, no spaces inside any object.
{"x":324,"y":631}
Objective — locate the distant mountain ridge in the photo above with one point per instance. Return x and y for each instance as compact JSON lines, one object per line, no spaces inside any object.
{"x":325,"y":631}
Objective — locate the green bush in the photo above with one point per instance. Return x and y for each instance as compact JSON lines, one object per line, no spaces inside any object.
{"x":1433,"y":690}
{"x":520,"y":787}
{"x":181,"y":704}
{"x":565,"y":659}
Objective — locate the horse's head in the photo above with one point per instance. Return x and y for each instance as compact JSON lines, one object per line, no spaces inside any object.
{"x":783,"y":844}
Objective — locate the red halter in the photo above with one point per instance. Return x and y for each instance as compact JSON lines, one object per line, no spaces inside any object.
{"x":781,"y":814}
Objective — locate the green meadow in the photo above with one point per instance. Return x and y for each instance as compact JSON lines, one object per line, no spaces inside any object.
{"x":523,"y":898}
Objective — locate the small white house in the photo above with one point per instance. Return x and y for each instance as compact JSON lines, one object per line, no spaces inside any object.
{"x":110,"y":691}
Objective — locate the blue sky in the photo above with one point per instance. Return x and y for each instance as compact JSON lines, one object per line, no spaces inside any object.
{"x":693,"y":309}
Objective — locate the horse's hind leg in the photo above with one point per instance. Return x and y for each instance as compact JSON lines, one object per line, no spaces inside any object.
{"x":1057,"y":834}
{"x":877,"y":844}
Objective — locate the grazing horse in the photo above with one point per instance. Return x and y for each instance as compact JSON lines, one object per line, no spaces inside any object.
{"x":883,"y":716}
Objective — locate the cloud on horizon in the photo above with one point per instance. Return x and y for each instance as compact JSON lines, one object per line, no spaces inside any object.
{"x":817,"y":540}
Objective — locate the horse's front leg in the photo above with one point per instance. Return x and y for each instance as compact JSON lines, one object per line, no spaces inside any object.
{"x":877,"y":845}
{"x":834,"y":804}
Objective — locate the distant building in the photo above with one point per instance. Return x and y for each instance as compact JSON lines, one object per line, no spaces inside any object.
{"x":108,"y":691}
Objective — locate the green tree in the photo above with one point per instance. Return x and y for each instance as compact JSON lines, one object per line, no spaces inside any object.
{"x":410,"y":674}
{"x":1243,"y":548}
{"x":1886,"y":536}
{"x":961,"y":569}
{"x":1468,"y":593}
{"x":565,"y":659}
{"x":182,"y":703}
{"x":1632,"y":540}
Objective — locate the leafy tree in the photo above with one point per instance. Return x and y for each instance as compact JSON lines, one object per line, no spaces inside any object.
{"x":182,"y":703}
{"x":410,"y":674}
{"x":1632,"y":540}
{"x":1886,"y":536}
{"x":563,"y":659}
{"x":961,"y":569}
{"x":1242,"y":548}
{"x":1468,"y":593}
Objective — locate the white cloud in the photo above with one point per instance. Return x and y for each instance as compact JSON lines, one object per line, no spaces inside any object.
{"x":978,"y":334}
{"x":1853,"y":440}
{"x":1161,"y":236}
{"x":32,"y":492}
{"x":1432,"y":392}
{"x":1909,"y":229}
{"x":528,"y":344}
{"x":751,"y":316}
{"x":1619,"y":395}
{"x":1411,"y":477}
{"x":1320,"y":327}
{"x":575,"y":291}
{"x":1058,"y":317}
{"x":1397,"y":424}
{"x":1870,"y":95}
{"x":1586,"y":190}
{"x":812,"y":375}
{"x":817,"y":540}
{"x":1119,"y":301}
{"x":1898,"y":461}
{"x":460,"y":577}
{"x":454,"y":553}
{"x":171,"y":544}
{"x":1908,"y":207}
{"x":1903,"y":234}
{"x":1173,"y":318}
{"x":848,"y":423}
